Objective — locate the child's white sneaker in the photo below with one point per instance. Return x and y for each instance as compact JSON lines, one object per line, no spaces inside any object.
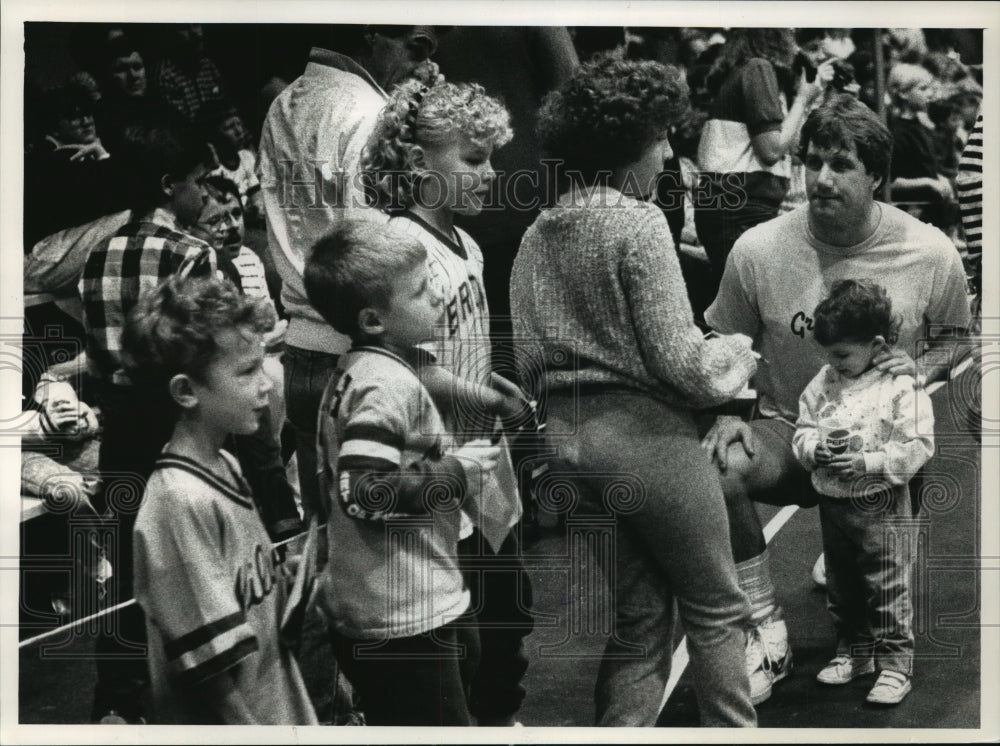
{"x":843,"y":669}
{"x":890,"y":688}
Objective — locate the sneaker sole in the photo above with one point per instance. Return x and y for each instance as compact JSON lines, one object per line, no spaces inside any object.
{"x":841,"y":682}
{"x":766,"y":694}
{"x":907,"y":687}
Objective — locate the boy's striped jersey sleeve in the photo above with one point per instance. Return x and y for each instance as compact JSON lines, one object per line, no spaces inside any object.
{"x":185,"y":590}
{"x":379,"y":475}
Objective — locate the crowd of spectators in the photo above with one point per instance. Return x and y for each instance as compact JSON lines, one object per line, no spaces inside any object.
{"x":750,"y":92}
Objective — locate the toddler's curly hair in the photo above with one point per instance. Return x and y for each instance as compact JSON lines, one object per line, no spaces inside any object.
{"x":174,"y":328}
{"x":416,"y":116}
{"x":856,"y":311}
{"x":609,"y":112}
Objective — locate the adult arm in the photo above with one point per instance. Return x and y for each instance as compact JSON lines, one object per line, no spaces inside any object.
{"x":946,"y":319}
{"x":56,"y":262}
{"x":707,"y":371}
{"x":761,"y":92}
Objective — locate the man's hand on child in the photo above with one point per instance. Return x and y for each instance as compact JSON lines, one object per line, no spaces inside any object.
{"x":895,"y":362}
{"x":847,"y":465}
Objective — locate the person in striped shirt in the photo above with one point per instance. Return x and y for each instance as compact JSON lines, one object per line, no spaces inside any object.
{"x":393,"y":591}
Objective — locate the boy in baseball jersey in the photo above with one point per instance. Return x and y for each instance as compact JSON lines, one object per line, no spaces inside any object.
{"x":393,"y":593}
{"x":212,"y":588}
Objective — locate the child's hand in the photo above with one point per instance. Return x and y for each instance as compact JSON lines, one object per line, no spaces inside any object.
{"x":276,"y":336}
{"x":88,"y":425}
{"x":847,"y":465}
{"x":823,"y":455}
{"x":479,"y":457}
{"x":513,"y":405}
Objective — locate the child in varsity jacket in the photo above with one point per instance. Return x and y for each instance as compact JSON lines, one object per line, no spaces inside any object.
{"x":393,"y":591}
{"x":864,"y":434}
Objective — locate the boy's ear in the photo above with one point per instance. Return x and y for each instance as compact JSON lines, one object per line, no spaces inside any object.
{"x":182,"y":392}
{"x":370,"y":322}
{"x":167,"y":185}
{"x":879,"y":343}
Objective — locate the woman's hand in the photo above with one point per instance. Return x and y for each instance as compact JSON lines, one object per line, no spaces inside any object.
{"x":726,"y":431}
{"x":809,"y":92}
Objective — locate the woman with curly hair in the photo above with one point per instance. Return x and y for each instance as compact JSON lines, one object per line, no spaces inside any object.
{"x":427,"y":161}
{"x":601,"y":314}
{"x":745,"y":145}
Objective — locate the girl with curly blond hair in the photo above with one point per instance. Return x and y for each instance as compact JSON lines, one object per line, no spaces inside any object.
{"x":428,"y":161}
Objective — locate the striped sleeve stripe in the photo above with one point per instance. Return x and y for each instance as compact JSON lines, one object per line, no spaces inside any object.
{"x":376,"y":434}
{"x":371,"y":449}
{"x":197,"y":638}
{"x":365,"y":464}
{"x":235,"y":638}
{"x":219,"y":663}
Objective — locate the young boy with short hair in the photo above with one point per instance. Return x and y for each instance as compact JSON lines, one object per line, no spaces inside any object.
{"x":394,"y":592}
{"x":212,"y":588}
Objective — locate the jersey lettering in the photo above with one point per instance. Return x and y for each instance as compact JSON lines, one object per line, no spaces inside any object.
{"x":338,"y":393}
{"x":463,"y":305}
{"x":801,"y":324}
{"x":255,"y":579}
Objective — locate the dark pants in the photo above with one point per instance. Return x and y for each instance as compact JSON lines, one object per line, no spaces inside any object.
{"x":306,"y":376}
{"x":413,"y":681}
{"x":501,"y":602}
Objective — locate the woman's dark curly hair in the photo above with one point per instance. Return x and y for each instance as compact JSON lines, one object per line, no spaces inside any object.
{"x":856,"y":311}
{"x":609,"y":112}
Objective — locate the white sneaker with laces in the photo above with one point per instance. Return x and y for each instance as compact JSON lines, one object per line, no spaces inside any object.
{"x":842,"y":669}
{"x":769,"y":658}
{"x":890,"y":688}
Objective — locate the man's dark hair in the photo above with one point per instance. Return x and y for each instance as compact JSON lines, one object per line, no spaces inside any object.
{"x":223,"y":185}
{"x":155,"y":152}
{"x":844,"y":121}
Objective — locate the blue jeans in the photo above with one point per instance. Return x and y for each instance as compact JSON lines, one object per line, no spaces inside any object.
{"x":869,"y":556}
{"x":671,"y":542}
{"x":306,"y":376}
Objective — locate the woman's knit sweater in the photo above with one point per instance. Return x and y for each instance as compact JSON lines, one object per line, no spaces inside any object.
{"x":597,"y":297}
